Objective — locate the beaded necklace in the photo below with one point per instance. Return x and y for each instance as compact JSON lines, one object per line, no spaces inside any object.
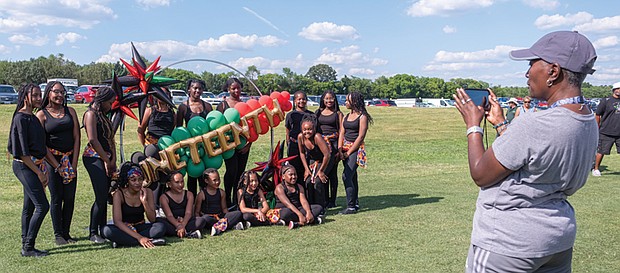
{"x":571,"y":100}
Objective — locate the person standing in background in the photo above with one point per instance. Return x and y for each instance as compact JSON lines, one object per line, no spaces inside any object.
{"x":608,"y":119}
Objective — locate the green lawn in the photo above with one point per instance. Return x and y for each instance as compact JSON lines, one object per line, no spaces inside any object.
{"x":417,"y":205}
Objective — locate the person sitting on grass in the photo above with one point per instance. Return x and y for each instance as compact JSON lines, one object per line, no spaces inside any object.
{"x":291,"y":200}
{"x":252,"y":201}
{"x":178,"y":206}
{"x":130,"y":203}
{"x":211,"y":210}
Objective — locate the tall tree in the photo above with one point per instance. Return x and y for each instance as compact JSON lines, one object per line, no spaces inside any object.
{"x":321,"y":73}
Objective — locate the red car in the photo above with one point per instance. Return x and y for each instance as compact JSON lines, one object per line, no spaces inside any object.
{"x":86,"y":93}
{"x":381,"y":102}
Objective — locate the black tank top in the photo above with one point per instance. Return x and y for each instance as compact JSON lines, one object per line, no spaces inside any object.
{"x":351,"y":128}
{"x":315,"y":153}
{"x":293,"y":197}
{"x":251,"y":199}
{"x":178,"y":209}
{"x":131,"y":214}
{"x":211,"y":204}
{"x":161,"y":123}
{"x":328,"y":124}
{"x":59,"y":131}
{"x":189,"y":114}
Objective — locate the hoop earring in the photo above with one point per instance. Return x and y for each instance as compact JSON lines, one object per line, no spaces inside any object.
{"x":549,"y":83}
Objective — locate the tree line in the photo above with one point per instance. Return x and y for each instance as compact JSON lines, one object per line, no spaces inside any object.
{"x":319,"y":78}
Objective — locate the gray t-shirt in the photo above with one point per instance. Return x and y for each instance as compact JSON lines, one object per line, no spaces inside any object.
{"x":526,"y":213}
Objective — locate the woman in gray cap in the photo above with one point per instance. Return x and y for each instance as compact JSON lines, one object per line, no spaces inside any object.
{"x":523,"y":221}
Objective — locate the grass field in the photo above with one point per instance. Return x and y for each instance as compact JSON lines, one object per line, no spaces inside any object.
{"x":417,"y":205}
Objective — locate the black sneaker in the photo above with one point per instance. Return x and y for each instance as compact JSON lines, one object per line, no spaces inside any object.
{"x":320,"y":219}
{"x":348,"y":211}
{"x":70,"y":239}
{"x":34,"y":253}
{"x":331,"y":205}
{"x":195,"y":234}
{"x":97,"y":239}
{"x":61,"y":241}
{"x":159,"y":241}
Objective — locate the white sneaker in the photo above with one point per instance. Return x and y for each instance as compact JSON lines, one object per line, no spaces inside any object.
{"x":596,"y":172}
{"x":160,"y":213}
{"x":247,"y":224}
{"x":319,"y":220}
{"x":215,"y":231}
{"x":239,"y":226}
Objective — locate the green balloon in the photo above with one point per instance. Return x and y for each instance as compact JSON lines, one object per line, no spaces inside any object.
{"x":164,"y":142}
{"x":201,"y":151}
{"x":183,"y":171}
{"x":228,"y":154}
{"x":215,"y":119}
{"x":242,"y":143}
{"x":198,"y":125}
{"x":232,"y":115}
{"x":180,"y":133}
{"x":184,"y":158}
{"x":182,"y":151}
{"x":213,"y":162}
{"x":195,"y":170}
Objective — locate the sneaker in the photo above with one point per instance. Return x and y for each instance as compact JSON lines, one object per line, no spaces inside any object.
{"x":292,"y":225}
{"x":96,"y":239}
{"x":70,"y":239}
{"x":61,"y":241}
{"x":348,"y":211}
{"x":319,"y":220}
{"x":331,"y":205}
{"x":247,"y":224}
{"x":158,"y":241}
{"x":596,"y":172}
{"x":34,"y":253}
{"x":114,"y":245}
{"x":160,"y":213}
{"x":239,"y":226}
{"x":215,"y":231}
{"x":195,"y":235}
{"x":281,"y":223}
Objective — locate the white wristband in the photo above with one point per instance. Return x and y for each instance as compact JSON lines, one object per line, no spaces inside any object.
{"x":474,"y":129}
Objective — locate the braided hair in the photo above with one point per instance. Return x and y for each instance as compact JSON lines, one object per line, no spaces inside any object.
{"x":103,"y":94}
{"x":198,"y":81}
{"x":244,"y":182}
{"x":356,"y":101}
{"x":126,"y":170}
{"x":48,"y":89}
{"x":22,"y":95}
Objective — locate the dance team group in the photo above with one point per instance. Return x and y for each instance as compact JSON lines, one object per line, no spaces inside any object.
{"x":308,"y":185}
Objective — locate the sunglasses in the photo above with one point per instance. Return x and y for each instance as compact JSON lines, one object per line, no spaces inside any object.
{"x":526,"y":101}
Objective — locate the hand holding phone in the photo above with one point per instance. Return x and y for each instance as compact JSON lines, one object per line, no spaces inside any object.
{"x":480,"y":97}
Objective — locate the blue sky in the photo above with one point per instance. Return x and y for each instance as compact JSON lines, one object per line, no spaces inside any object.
{"x":363,"y":38}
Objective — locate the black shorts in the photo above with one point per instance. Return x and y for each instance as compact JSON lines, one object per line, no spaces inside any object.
{"x":605,"y":142}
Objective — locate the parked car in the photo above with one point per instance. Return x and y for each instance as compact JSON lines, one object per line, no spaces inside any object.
{"x":178,"y":96}
{"x":314,"y":100}
{"x":8,"y":94}
{"x":69,"y":95}
{"x":86,"y":93}
{"x":210,"y":98}
{"x":381,"y":102}
{"x":342,"y":99}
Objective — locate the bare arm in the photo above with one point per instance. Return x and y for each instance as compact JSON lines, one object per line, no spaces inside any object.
{"x":146,"y":197}
{"x":223,"y":201}
{"x":77,"y":138}
{"x":180,"y":114}
{"x":306,"y":206}
{"x":362,"y":134}
{"x":143,"y":125}
{"x":49,"y":157}
{"x":263,"y":200}
{"x":284,"y":199}
{"x":90,"y":124}
{"x":302,"y":155}
{"x":320,"y":141}
{"x":199,"y":198}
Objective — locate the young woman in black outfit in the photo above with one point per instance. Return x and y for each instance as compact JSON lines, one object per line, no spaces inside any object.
{"x":62,"y":139}
{"x":158,"y":120}
{"x":329,"y":119}
{"x":178,"y":206}
{"x":236,"y":164}
{"x":314,"y":154}
{"x":28,"y":152}
{"x":194,"y":106}
{"x":99,"y":158}
{"x":291,"y":200}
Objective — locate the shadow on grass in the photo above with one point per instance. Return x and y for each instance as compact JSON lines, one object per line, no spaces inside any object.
{"x":380,"y":202}
{"x":604,"y":170}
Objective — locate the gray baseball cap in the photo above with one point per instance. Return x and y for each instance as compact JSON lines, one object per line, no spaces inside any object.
{"x":569,"y":49}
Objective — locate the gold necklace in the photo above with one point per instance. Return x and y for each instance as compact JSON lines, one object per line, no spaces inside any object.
{"x":55,"y":114}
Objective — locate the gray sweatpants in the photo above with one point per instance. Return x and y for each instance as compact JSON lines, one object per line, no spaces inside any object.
{"x":480,"y":261}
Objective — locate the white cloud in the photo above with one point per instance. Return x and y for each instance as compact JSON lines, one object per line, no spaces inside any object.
{"x":69,"y":37}
{"x":5,"y":49}
{"x":361,"y":71}
{"x":600,"y":25}
{"x":556,"y":20}
{"x":265,"y":65}
{"x":327,"y":31}
{"x":498,"y":53}
{"x":542,"y":4}
{"x":153,"y":3}
{"x":350,"y":55}
{"x":449,"y":29}
{"x":27,"y":40}
{"x":176,"y":50}
{"x":460,"y":66}
{"x":27,"y":15}
{"x":608,"y":41}
{"x":445,"y":7}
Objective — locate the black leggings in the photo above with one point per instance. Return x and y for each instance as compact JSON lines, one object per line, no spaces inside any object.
{"x":171,"y":230}
{"x":332,"y":173}
{"x":62,"y":202}
{"x":250,"y":217}
{"x":35,"y":206}
{"x":193,"y":182}
{"x":149,"y":230}
{"x":349,"y":178}
{"x":315,"y":192}
{"x":287,"y":214}
{"x":208,"y":221}
{"x":101,"y":187}
{"x":293,"y":150}
{"x":235,"y":166}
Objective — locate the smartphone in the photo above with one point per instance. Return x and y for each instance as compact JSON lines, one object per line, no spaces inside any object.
{"x":480,"y":97}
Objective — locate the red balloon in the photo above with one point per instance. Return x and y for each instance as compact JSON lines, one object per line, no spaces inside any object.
{"x":264,"y":123}
{"x":286,"y":95}
{"x":274,"y":95}
{"x":253,"y":135}
{"x":286,"y":106}
{"x":276,"y":121}
{"x":266,"y":100}
{"x":243,"y":108}
{"x":253,"y":104}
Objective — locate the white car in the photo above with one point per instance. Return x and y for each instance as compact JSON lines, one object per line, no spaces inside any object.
{"x":210,"y":98}
{"x":178,"y":96}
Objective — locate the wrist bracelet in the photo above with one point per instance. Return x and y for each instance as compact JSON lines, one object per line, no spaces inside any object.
{"x":500,"y":124}
{"x":474,"y":129}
